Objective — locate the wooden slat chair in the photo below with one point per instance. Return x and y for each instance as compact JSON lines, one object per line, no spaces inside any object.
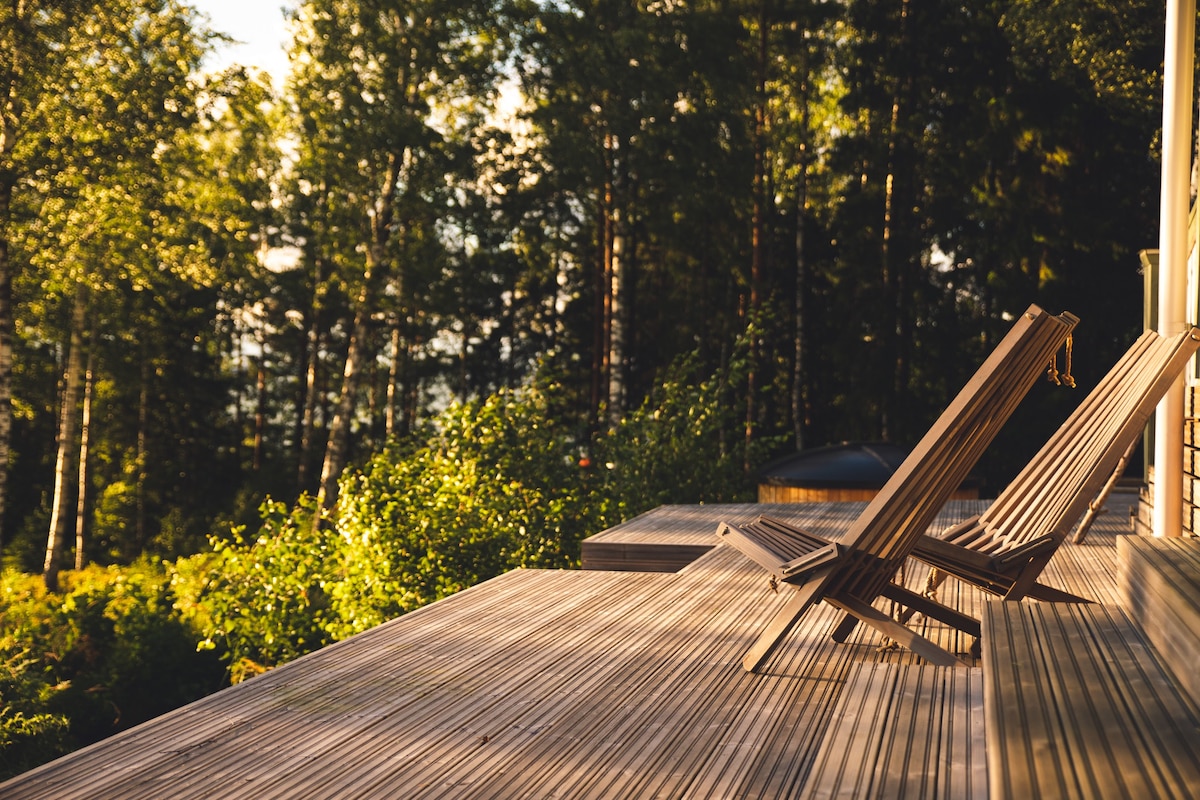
{"x":853,"y":571}
{"x":1005,"y":549}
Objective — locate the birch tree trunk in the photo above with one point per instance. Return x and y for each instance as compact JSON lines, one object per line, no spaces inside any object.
{"x":602,"y":332}
{"x":757,"y":230}
{"x":618,"y":317}
{"x":85,"y":433}
{"x":67,"y":431}
{"x":311,"y":383}
{"x":260,"y":406}
{"x":390,"y":427}
{"x":381,"y":216}
{"x":143,"y":434}
{"x":799,"y":400}
{"x":6,"y":348}
{"x":339,"y":428}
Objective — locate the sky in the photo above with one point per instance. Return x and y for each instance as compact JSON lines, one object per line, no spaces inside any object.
{"x":260,"y":31}
{"x":258,"y":27}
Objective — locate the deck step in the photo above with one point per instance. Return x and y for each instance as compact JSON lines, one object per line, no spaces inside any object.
{"x":626,"y":557}
{"x":670,"y":538}
{"x":1077,"y":704}
{"x":1160,"y":590}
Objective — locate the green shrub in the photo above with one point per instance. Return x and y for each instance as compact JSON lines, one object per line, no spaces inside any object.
{"x":497,"y":485}
{"x":29,"y":735}
{"x":262,"y":601}
{"x":675,"y":448}
{"x":109,"y":652}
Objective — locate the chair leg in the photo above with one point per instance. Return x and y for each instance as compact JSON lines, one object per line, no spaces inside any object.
{"x":804,"y":596}
{"x":889,"y":627}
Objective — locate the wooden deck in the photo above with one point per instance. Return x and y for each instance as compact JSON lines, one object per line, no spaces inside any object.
{"x":588,"y":684}
{"x":669,"y":538}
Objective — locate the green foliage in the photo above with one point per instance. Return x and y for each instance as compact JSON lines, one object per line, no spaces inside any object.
{"x":681,"y":446}
{"x":893,"y":180}
{"x":125,"y":177}
{"x":497,"y":487}
{"x":499,"y":484}
{"x":262,"y":601}
{"x":108,"y":652}
{"x":29,"y":733}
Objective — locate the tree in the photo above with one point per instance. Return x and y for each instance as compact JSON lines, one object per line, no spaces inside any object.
{"x":153,"y":203}
{"x":639,"y":110}
{"x":124,"y":93}
{"x":32,"y":35}
{"x":868,"y":188}
{"x":375,"y":87}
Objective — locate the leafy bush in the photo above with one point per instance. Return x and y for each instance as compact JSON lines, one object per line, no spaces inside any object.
{"x":29,"y":735}
{"x":109,"y":652}
{"x":261,"y":601}
{"x":497,"y":485}
{"x":675,"y":448}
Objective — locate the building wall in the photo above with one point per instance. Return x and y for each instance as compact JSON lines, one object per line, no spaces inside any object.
{"x":1191,"y":473}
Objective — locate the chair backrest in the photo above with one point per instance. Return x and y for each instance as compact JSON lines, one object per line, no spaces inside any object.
{"x":1054,"y":488}
{"x":893,"y":522}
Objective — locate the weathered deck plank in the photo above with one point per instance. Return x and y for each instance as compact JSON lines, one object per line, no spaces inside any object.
{"x":904,"y":731}
{"x":1160,"y":582}
{"x":561,"y":684}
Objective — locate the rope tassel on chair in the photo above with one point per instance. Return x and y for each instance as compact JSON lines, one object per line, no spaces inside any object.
{"x":1065,"y":378}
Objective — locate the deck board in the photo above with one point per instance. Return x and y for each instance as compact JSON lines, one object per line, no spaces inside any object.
{"x":899,"y":730}
{"x":581,"y":684}
{"x":1160,"y":590}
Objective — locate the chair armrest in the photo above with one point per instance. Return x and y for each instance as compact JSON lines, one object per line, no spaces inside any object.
{"x":785,"y":551}
{"x":810,"y":561}
{"x":939,"y":553}
{"x":748,"y":545}
{"x":1006,"y":558}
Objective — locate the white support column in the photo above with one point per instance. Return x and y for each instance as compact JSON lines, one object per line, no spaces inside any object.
{"x":1173,"y":255}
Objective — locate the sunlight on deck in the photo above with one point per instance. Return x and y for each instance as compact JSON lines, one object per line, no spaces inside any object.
{"x":589,"y":683}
